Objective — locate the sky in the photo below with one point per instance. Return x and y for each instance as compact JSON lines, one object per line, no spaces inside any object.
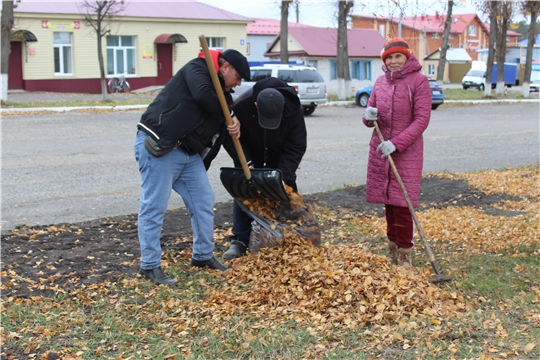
{"x":322,"y":12}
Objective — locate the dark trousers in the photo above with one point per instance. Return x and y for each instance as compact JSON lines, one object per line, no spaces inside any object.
{"x":399,"y":226}
{"x":241,"y":225}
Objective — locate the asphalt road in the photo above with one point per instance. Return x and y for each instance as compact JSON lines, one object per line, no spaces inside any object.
{"x":71,"y":167}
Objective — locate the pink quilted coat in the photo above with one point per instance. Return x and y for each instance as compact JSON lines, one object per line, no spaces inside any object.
{"x":403,"y":100}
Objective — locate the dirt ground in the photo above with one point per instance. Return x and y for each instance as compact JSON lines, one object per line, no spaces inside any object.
{"x":37,"y":260}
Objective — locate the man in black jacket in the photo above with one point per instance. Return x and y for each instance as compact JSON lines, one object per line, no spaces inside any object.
{"x":181,"y":126}
{"x":273,"y":136}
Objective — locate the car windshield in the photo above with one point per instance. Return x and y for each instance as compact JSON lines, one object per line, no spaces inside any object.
{"x":300,"y":76}
{"x":433,"y":83}
{"x":478,"y":73}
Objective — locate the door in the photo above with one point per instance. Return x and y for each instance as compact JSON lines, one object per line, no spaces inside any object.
{"x":15,"y":79}
{"x":164,"y":61}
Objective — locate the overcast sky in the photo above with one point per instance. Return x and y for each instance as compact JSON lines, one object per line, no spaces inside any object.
{"x":322,"y":12}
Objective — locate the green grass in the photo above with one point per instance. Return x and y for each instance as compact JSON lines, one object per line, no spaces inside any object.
{"x":130,"y":99}
{"x":461,"y":94}
{"x":74,"y":103}
{"x":473,"y":94}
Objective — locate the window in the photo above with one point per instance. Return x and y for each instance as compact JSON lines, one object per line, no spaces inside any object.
{"x":472,"y":30}
{"x":360,"y":69}
{"x":450,"y":36}
{"x":367,"y":70}
{"x":381,"y":31}
{"x":431,"y":69}
{"x":215,"y":43}
{"x":450,"y":46}
{"x":120,"y":55}
{"x":248,"y":49}
{"x":313,"y":63}
{"x":62,"y":53}
{"x":435,"y":35}
{"x":333,"y":70}
{"x":257,"y":75}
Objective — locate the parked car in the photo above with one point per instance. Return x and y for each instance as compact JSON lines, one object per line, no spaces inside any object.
{"x":534,"y":86}
{"x":437,"y":95}
{"x":307,"y":81}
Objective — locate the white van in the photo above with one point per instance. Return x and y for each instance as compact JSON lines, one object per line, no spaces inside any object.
{"x":307,"y":81}
{"x":475,"y":77}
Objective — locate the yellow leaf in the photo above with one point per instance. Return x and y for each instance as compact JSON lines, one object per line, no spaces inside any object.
{"x":529,"y":347}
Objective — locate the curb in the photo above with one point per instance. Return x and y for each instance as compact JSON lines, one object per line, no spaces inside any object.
{"x":328,"y":104}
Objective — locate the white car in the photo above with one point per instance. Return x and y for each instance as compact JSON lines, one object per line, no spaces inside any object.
{"x":307,"y":81}
{"x":534,"y":86}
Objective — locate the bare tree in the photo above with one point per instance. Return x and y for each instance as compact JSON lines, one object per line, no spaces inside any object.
{"x":532,"y":8}
{"x":98,"y":14}
{"x":342,"y":64}
{"x":504,"y":15}
{"x":284,"y":32}
{"x":491,"y":8}
{"x":444,"y":46}
{"x":7,"y":26}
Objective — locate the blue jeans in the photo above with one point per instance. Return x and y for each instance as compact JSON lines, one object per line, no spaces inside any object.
{"x":186,"y":175}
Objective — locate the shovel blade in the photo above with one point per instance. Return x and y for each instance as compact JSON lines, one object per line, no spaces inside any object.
{"x":264,"y":184}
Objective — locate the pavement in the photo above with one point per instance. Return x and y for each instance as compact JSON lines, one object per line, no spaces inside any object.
{"x":149,"y":93}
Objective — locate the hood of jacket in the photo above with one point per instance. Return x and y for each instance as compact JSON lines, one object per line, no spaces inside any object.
{"x":411,"y":66}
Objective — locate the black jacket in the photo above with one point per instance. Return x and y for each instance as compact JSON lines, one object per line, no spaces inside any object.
{"x":282,"y":148}
{"x":187,"y":111}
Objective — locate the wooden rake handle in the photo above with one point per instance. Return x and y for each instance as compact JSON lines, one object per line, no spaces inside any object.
{"x":223,"y":104}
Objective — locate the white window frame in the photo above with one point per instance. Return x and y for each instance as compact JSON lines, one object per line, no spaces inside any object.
{"x":124,"y":49}
{"x":431,"y":69}
{"x":216,"y":43}
{"x":381,"y":31}
{"x":472,"y":30}
{"x":435,"y":35}
{"x":63,"y":50}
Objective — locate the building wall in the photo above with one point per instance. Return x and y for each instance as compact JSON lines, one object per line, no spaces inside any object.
{"x":258,"y":44}
{"x":38,"y":57}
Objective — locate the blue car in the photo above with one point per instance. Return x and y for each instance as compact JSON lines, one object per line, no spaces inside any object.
{"x":437,"y":95}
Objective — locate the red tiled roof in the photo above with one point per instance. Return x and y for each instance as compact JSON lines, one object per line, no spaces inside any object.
{"x":431,"y":23}
{"x":435,"y":23}
{"x":265,"y":26}
{"x":318,"y":41}
{"x":186,"y":9}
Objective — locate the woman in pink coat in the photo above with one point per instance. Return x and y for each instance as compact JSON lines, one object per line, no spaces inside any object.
{"x":400,"y":102}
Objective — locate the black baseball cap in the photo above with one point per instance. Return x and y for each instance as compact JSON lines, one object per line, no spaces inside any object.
{"x":270,"y":104}
{"x":238,"y":62}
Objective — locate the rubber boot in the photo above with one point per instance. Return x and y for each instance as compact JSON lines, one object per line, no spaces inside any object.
{"x":404,"y":257}
{"x":392,"y":256}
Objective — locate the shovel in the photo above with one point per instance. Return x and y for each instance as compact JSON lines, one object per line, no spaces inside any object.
{"x":439,"y":278}
{"x":244,"y":183}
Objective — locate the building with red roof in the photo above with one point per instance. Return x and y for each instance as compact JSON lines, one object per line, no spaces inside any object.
{"x":317,"y":47}
{"x":424,"y":32}
{"x":53,"y":49}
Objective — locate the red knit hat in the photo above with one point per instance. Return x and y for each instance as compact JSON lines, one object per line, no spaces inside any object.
{"x":395,"y":45}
